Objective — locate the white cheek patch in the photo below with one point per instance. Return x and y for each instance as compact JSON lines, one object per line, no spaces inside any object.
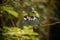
{"x":25,"y":19}
{"x":34,"y":18}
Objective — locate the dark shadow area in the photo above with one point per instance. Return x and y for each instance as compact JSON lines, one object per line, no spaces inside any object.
{"x":0,"y":1}
{"x":54,"y":33}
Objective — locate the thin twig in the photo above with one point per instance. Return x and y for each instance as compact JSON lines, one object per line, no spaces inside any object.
{"x":50,"y":24}
{"x":3,"y":23}
{"x":12,"y":20}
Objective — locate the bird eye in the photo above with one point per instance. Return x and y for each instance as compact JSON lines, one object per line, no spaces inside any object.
{"x":25,"y":16}
{"x":32,"y":16}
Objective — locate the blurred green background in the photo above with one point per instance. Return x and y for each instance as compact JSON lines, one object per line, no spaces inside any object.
{"x":12,"y":14}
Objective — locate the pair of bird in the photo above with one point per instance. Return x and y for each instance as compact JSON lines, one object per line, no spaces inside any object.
{"x":28,"y":20}
{"x":31,"y":20}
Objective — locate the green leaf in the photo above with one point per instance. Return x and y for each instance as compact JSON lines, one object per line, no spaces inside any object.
{"x":10,"y":11}
{"x":15,"y":29}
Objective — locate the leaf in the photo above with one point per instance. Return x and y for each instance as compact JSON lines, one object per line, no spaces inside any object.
{"x":32,"y":33}
{"x":25,"y":37}
{"x":10,"y":11}
{"x":15,"y":29}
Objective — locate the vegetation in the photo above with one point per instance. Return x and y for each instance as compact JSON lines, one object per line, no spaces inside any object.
{"x":13,"y":26}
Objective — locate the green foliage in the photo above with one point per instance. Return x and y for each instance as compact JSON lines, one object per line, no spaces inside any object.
{"x":23,"y":7}
{"x":16,"y":33}
{"x":26,"y":30}
{"x":10,"y":10}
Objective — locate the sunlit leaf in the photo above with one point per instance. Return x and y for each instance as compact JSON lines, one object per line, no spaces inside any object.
{"x":26,"y":37}
{"x":10,"y":11}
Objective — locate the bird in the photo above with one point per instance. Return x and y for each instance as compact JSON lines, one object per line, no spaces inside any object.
{"x":26,"y":21}
{"x":34,"y":20}
{"x":31,"y":20}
